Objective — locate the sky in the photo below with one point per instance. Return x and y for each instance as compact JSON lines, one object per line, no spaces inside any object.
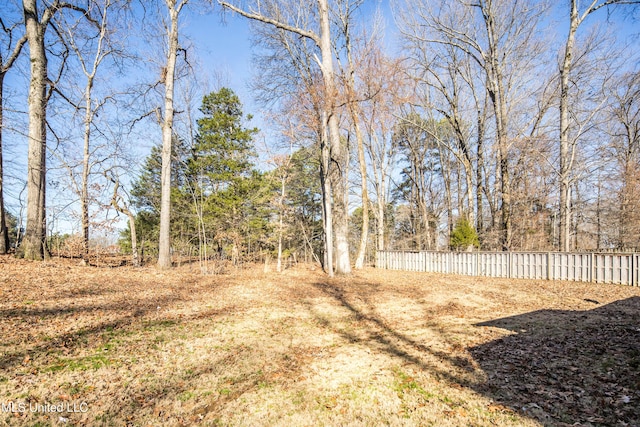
{"x":222,"y":44}
{"x":223,"y":47}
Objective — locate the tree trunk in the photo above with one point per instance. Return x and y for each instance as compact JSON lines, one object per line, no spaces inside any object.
{"x":565,"y":146}
{"x":134,"y":240}
{"x":164,"y":244}
{"x":4,"y":232}
{"x":381,"y":208}
{"x":327,"y":212}
{"x":33,"y":244}
{"x":448,"y":197}
{"x":337,"y":150}
{"x":355,"y":118}
{"x":364,"y":235}
{"x":280,"y":223}
{"x":479,"y":180}
{"x":84,"y":196}
{"x":279,"y":264}
{"x":380,"y":168}
{"x":471,"y":213}
{"x":496,"y":94}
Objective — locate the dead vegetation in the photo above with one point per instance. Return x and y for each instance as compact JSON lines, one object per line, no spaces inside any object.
{"x":141,"y":347}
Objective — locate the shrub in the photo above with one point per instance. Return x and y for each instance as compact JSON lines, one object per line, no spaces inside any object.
{"x":464,"y":236}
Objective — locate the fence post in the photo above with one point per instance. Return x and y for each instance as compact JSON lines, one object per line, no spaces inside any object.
{"x":477,"y":267}
{"x":424,"y":262}
{"x":548,"y":266}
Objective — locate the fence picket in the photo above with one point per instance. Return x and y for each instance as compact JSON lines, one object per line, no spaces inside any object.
{"x":583,"y":267}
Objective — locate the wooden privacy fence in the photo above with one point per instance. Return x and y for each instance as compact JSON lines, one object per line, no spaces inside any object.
{"x":621,"y":269}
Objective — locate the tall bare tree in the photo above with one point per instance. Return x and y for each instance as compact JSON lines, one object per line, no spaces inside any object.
{"x":386,"y":78}
{"x":353,"y":100}
{"x":624,"y":129}
{"x":91,"y":46}
{"x":13,"y":46}
{"x":496,"y":35}
{"x":288,"y":76}
{"x":271,"y":13}
{"x":577,"y":16}
{"x":169,"y":73}
{"x":33,"y":243}
{"x":36,"y":23}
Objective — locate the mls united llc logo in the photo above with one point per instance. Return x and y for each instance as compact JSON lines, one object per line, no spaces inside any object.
{"x":63,"y":407}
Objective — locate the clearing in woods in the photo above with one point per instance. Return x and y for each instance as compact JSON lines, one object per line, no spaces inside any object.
{"x":125,"y":346}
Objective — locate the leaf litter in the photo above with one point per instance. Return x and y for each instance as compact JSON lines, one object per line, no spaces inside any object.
{"x":147,"y":347}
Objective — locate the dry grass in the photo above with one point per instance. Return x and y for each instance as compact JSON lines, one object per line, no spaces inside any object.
{"x":141,"y":347}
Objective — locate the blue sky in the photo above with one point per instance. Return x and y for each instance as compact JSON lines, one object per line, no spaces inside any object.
{"x":223,"y":43}
{"x":223,"y":47}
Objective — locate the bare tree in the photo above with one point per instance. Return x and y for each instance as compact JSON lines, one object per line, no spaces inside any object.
{"x":288,"y":76}
{"x":92,"y":46}
{"x":164,"y":245}
{"x":426,"y":175}
{"x":497,"y":36}
{"x":13,"y":46}
{"x":33,"y":244}
{"x":577,"y":16}
{"x":118,"y":202}
{"x":190,"y":94}
{"x":384,"y":79}
{"x":445,"y":81}
{"x":624,"y":129}
{"x":353,"y":100}
{"x":271,"y":13}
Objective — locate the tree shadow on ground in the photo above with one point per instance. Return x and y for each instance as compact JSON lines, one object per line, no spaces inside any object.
{"x":375,"y":332}
{"x":29,"y":344}
{"x":567,"y":367}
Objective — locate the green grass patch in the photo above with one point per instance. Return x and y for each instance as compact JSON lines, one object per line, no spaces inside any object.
{"x":406,"y":384}
{"x":87,"y":363}
{"x":154,"y":325}
{"x":185,"y":395}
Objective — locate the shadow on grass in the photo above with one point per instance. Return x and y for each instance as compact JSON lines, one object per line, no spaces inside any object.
{"x":567,"y":367}
{"x":378,"y":334}
{"x":29,"y":347}
{"x":558,"y":368}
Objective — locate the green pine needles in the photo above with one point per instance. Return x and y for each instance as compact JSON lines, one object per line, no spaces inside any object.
{"x":464,"y":236}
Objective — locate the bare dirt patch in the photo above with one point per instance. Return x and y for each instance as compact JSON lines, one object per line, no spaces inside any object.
{"x":141,"y":347}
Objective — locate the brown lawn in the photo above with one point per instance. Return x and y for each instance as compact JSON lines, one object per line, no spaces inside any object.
{"x":141,"y":347}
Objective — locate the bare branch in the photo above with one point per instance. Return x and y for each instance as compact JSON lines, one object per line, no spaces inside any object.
{"x":607,"y":3}
{"x":265,"y":19}
{"x":14,"y":55}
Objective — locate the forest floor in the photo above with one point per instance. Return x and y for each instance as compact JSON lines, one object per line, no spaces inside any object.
{"x":143,"y":347}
